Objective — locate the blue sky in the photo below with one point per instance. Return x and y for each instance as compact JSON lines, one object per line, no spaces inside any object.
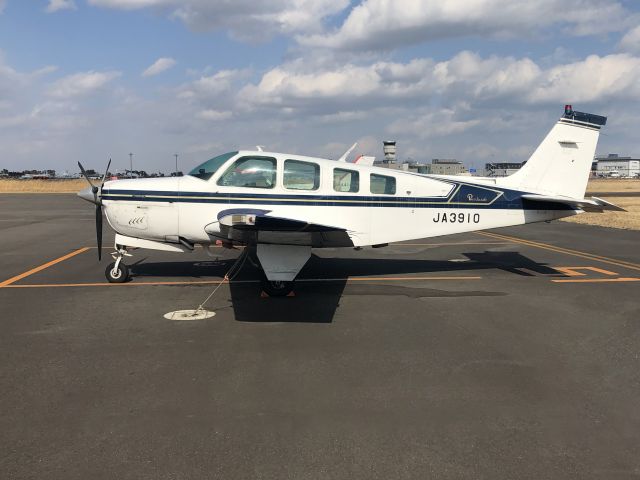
{"x":478,"y":80}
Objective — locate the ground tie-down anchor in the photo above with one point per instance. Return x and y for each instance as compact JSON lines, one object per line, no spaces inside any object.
{"x":200,"y":313}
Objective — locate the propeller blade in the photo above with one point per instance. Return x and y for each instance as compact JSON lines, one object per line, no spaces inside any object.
{"x":99,"y":230}
{"x":94,"y":189}
{"x":105,"y":173}
{"x":84,"y":174}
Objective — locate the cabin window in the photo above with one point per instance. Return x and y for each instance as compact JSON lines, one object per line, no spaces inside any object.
{"x":345,"y":180}
{"x":301,"y":175}
{"x":383,"y":184}
{"x":206,"y":170}
{"x":250,"y":172}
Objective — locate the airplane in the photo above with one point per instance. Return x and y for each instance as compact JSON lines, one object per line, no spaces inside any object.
{"x":281,"y":206}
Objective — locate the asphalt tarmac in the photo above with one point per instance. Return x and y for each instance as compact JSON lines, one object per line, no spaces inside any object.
{"x":513,"y":353}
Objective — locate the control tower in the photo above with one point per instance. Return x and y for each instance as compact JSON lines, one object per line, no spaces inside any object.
{"x":389,"y":152}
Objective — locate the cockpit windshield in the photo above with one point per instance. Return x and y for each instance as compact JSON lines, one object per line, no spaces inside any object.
{"x":206,"y":170}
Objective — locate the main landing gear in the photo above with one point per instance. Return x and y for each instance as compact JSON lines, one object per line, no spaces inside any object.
{"x":280,"y":266}
{"x":277,"y":288}
{"x":118,"y":272}
{"x":273,"y":288}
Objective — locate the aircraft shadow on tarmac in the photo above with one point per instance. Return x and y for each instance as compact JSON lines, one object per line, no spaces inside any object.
{"x":317,"y":300}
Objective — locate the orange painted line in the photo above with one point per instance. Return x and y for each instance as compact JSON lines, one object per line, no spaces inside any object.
{"x":209,"y":282}
{"x":566,"y":251}
{"x":12,"y":280}
{"x":196,"y":246}
{"x":597,"y":280}
{"x":391,"y":279}
{"x":131,"y":284}
{"x":448,"y":243}
{"x":573,"y":271}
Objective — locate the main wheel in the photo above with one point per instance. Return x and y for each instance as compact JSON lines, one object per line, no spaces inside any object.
{"x":277,"y":288}
{"x":120,"y":275}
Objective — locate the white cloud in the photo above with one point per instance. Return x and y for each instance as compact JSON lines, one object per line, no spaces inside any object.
{"x":13,"y":81}
{"x":631,"y":41}
{"x":56,"y":5}
{"x":593,"y":79}
{"x":387,"y":24}
{"x":213,"y":88}
{"x":214,"y":115}
{"x":159,"y":66}
{"x":81,"y":84}
{"x":344,"y":117}
{"x":245,"y":19}
{"x":438,"y":123}
{"x":130,"y":4}
{"x":466,"y":77}
{"x":468,"y":106}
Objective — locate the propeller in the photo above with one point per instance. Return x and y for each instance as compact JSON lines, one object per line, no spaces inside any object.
{"x":97,"y":200}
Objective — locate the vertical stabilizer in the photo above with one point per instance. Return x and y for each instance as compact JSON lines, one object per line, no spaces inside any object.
{"x":562,"y":162}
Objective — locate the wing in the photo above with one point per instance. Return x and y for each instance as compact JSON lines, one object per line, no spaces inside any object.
{"x":593,"y":204}
{"x":251,"y":226}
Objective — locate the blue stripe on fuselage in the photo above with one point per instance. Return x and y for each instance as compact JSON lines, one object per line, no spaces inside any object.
{"x":486,"y":199}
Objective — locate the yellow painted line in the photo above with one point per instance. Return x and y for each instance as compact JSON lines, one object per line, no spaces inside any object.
{"x":12,"y":280}
{"x":564,"y":250}
{"x":597,"y":280}
{"x":209,"y":282}
{"x":575,"y":253}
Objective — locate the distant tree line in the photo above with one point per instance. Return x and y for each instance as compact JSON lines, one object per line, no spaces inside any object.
{"x":5,"y":173}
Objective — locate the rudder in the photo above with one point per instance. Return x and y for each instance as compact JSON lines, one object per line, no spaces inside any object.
{"x":562,"y":162}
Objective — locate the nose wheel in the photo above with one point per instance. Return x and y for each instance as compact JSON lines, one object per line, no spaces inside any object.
{"x":117,"y":272}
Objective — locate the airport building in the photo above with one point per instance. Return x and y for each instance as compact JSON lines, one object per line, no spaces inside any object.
{"x":438,"y":166}
{"x":447,"y":166}
{"x":614,"y":165}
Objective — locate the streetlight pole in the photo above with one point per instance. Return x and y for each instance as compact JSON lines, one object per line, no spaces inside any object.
{"x":176,"y":155}
{"x":131,"y":165}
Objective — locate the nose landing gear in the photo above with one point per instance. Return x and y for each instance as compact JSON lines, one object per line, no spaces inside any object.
{"x":118,"y":272}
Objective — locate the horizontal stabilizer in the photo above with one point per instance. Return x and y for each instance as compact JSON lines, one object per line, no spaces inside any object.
{"x":593,"y":204}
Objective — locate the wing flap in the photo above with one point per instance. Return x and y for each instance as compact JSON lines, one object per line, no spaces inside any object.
{"x":250,"y":226}
{"x":260,"y":220}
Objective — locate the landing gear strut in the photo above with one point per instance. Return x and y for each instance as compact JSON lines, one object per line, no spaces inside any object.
{"x":277,"y":288}
{"x":280,"y":265}
{"x":118,"y":272}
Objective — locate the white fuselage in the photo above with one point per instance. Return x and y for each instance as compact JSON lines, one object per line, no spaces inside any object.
{"x":169,"y":209}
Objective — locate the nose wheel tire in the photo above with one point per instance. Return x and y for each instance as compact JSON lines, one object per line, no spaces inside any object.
{"x":119,"y":275}
{"x":277,"y":288}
